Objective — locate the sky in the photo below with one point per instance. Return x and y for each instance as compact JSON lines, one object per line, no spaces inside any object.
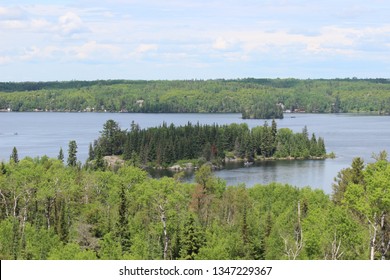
{"x":44,"y":40}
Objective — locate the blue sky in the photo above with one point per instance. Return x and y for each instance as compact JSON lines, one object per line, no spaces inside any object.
{"x":131,"y":39}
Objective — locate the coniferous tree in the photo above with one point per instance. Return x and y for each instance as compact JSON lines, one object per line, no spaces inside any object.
{"x":72,"y":153}
{"x":14,"y":156}
{"x":347,"y":176}
{"x":91,"y":152}
{"x":314,"y":149}
{"x":321,"y":146}
{"x":61,"y":155}
{"x":122,"y":225}
{"x":99,"y":160}
{"x":3,"y":170}
{"x":274,"y":133}
{"x":192,"y":239}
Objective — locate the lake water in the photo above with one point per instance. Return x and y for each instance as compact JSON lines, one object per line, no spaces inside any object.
{"x":347,"y":135}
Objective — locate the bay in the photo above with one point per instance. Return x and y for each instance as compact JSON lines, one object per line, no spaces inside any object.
{"x":347,"y":135}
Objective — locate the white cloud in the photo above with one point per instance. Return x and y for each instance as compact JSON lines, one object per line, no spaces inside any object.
{"x":330,"y":40}
{"x":11,"y":13}
{"x":40,"y":24}
{"x":143,"y":48}
{"x":220,"y":44}
{"x":13,"y":24}
{"x":93,"y":51}
{"x":5,"y":60}
{"x":70,"y":23}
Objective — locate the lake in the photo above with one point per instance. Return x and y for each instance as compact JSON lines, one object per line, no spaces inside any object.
{"x":347,"y":135}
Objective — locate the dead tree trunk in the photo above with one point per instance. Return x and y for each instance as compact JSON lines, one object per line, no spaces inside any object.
{"x":292,"y":249}
{"x":166,"y":237}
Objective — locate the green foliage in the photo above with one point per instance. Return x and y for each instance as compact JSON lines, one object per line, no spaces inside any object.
{"x":253,"y":97}
{"x":61,"y":155}
{"x":263,"y":109}
{"x":71,"y":251}
{"x":72,"y":153}
{"x":166,"y":145}
{"x":366,"y":194}
{"x":111,"y":140}
{"x":192,"y":238}
{"x":14,"y":155}
{"x":49,"y":210}
{"x":350,"y":175}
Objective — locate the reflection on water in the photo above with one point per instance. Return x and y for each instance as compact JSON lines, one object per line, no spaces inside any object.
{"x":299,"y":173}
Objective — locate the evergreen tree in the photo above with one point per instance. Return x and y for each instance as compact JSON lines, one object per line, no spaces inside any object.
{"x":347,"y":176}
{"x":314,"y":149}
{"x":61,"y":155}
{"x":63,"y":230}
{"x":274,"y":133}
{"x":99,"y":160}
{"x":91,"y":152}
{"x":14,"y":156}
{"x":192,"y":239}
{"x":357,"y":171}
{"x":321,"y":147}
{"x":72,"y":153}
{"x":122,"y":225}
{"x":3,"y":169}
{"x":112,"y":138}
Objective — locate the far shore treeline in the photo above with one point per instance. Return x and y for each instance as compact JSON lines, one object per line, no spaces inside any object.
{"x":254,"y":98}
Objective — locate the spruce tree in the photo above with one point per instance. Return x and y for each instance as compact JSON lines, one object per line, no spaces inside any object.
{"x":357,"y":171}
{"x":3,"y":169}
{"x":72,"y":153}
{"x":314,"y":149}
{"x":321,"y":146}
{"x":122,"y":226}
{"x":61,"y":155}
{"x":192,"y":239}
{"x":14,"y":156}
{"x":91,"y":152}
{"x":99,"y":162}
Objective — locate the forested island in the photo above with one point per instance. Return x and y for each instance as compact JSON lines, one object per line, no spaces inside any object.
{"x":166,"y":145}
{"x":253,"y":98}
{"x":53,"y":210}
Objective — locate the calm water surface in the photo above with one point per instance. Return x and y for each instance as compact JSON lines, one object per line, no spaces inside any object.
{"x":348,"y":135}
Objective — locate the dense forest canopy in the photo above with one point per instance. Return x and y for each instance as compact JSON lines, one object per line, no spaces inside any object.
{"x":49,"y":210}
{"x":167,"y":144}
{"x":246,"y":96}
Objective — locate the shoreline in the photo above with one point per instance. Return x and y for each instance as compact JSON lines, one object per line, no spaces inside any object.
{"x":190,"y":166}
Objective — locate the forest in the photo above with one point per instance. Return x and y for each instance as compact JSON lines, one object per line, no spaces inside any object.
{"x":167,"y":144}
{"x":50,"y":209}
{"x":253,"y":98}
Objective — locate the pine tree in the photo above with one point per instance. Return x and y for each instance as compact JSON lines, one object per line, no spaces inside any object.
{"x":61,"y":155}
{"x":3,"y":169}
{"x":321,"y":146}
{"x":72,"y":153}
{"x":91,"y":152}
{"x":274,"y":133}
{"x":192,"y":239}
{"x":122,"y":226}
{"x":357,"y":171}
{"x":14,"y":156}
{"x":99,"y":162}
{"x":314,"y":149}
